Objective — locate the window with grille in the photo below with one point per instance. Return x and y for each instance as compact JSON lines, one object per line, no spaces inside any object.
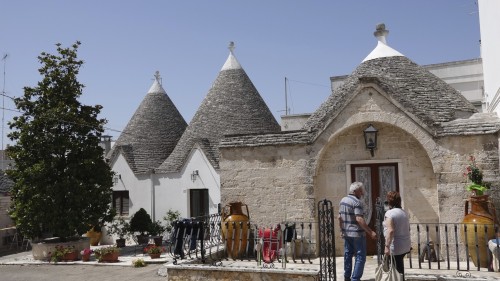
{"x":121,"y":202}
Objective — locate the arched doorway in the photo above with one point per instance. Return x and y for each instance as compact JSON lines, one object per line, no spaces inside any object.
{"x":378,"y":179}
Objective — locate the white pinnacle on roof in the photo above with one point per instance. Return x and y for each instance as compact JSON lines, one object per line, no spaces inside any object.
{"x":382,"y":50}
{"x":156,"y":87}
{"x":231,"y":62}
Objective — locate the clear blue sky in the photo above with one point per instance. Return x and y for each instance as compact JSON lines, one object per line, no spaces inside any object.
{"x":125,"y":42}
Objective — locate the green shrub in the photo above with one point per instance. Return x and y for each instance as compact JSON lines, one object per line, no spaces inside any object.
{"x":140,"y":222}
{"x":139,"y":263}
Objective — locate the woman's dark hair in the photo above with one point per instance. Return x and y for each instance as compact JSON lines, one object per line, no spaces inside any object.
{"x":394,"y":199}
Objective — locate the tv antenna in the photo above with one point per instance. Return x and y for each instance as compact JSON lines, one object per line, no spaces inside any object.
{"x":287,"y":110}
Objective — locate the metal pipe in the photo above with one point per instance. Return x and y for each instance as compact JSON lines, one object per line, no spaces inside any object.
{"x":151,"y":178}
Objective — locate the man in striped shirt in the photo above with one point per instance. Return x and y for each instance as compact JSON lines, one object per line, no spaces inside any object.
{"x":353,"y":227}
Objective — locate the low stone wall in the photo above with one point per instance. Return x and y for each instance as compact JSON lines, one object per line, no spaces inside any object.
{"x":213,"y":273}
{"x":41,"y":251}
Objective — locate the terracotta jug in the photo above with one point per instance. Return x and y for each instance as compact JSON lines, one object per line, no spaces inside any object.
{"x":95,"y":237}
{"x":235,"y":228}
{"x":479,"y":215}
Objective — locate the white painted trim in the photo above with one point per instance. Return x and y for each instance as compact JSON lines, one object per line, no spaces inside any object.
{"x":400,"y":172}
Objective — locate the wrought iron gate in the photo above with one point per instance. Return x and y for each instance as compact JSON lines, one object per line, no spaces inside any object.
{"x":327,"y":268}
{"x":379,"y":228}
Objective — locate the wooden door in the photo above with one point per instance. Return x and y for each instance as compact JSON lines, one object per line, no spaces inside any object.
{"x":198,"y":202}
{"x":378,"y":179}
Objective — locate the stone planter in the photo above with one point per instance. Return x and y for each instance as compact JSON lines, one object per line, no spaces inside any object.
{"x":42,"y":250}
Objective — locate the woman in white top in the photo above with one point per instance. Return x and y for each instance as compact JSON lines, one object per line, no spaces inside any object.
{"x":396,"y":231}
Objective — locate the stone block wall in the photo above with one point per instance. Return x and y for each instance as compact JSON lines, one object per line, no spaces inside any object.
{"x":274,"y":182}
{"x":209,"y":273}
{"x":284,"y":182}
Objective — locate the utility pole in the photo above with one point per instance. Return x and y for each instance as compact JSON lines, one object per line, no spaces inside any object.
{"x":4,"y":59}
{"x":286,"y":96}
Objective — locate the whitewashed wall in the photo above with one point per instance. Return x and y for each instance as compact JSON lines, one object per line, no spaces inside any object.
{"x":158,"y":193}
{"x":172,"y":190}
{"x":489,"y":21}
{"x":139,"y":187}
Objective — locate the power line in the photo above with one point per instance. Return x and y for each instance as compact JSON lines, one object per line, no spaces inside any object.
{"x":64,"y":121}
{"x":309,"y":83}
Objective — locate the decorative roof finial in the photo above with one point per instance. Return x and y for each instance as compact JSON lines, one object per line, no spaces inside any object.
{"x":381,"y":33}
{"x":157,"y":76}
{"x":231,"y":46}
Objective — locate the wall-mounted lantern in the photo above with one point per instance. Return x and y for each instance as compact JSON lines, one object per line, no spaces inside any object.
{"x":116,"y":178}
{"x":371,"y":138}
{"x":194,"y":174}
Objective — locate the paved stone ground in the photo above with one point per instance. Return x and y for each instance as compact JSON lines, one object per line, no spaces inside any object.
{"x":15,"y":265}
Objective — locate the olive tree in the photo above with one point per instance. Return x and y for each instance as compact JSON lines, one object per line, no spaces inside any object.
{"x":62,"y":183}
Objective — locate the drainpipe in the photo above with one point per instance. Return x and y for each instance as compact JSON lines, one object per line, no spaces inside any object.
{"x":151,"y":178}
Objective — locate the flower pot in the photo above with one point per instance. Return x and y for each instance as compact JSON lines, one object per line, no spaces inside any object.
{"x":235,"y":229}
{"x":109,"y":257}
{"x":86,"y":257}
{"x":142,"y":239}
{"x":73,"y":256}
{"x":120,"y":243}
{"x":481,"y":217}
{"x":158,"y":240}
{"x":155,"y":256}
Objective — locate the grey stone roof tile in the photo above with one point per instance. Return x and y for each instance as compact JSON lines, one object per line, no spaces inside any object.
{"x":479,"y":123}
{"x":152,"y":132}
{"x":433,"y":102}
{"x":232,"y":106}
{"x":420,"y":92}
{"x":279,"y":138}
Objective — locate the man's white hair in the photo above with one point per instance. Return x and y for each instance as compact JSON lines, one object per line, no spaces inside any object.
{"x":355,"y":186}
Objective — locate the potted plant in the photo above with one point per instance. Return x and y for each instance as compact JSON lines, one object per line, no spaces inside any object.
{"x":141,"y":223}
{"x":170,"y":217}
{"x":86,"y":254}
{"x":107,"y":254}
{"x":156,"y":230}
{"x":482,"y":214}
{"x":475,"y":176}
{"x":121,"y":228}
{"x":64,"y":253}
{"x":154,"y":251}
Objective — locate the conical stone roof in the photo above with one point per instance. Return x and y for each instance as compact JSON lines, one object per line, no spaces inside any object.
{"x":152,"y":132}
{"x":418,"y":91}
{"x":232,"y":106}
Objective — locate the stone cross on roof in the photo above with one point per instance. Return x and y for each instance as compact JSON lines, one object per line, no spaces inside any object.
{"x":157,"y":76}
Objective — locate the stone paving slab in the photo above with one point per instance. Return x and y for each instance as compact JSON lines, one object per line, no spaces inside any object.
{"x":130,"y":253}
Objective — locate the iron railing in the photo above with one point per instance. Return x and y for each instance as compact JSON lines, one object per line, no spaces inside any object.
{"x":210,"y":240}
{"x":443,"y":246}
